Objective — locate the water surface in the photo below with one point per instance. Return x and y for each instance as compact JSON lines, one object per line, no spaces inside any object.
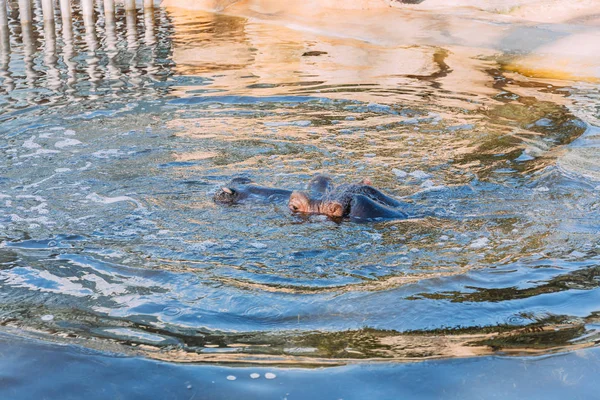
{"x":116,"y":135}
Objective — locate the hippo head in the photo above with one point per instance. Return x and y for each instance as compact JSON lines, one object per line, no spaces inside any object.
{"x":319,"y":185}
{"x":226,"y":195}
{"x":301,"y":203}
{"x":229,"y":195}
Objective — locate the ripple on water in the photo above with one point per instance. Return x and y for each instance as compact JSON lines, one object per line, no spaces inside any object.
{"x":106,"y":188}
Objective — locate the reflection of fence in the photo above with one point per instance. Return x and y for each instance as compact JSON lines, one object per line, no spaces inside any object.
{"x":74,"y":49}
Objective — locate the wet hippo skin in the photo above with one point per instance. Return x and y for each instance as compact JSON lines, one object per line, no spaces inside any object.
{"x":364,"y":208}
{"x":240,"y":190}
{"x":357,"y":201}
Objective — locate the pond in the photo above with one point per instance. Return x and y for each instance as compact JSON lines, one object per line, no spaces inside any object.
{"x":116,"y":133}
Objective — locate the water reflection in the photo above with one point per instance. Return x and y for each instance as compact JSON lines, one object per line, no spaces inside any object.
{"x":80,"y":64}
{"x":6,"y":80}
{"x":91,"y":43}
{"x":120,"y":122}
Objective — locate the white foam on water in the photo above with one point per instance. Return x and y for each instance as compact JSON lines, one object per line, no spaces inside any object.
{"x":40,"y":152}
{"x":479,"y":243}
{"x":374,"y":236}
{"x":427,"y":184}
{"x":40,"y":209}
{"x":95,"y":197}
{"x":38,"y":220}
{"x":39,"y":182}
{"x":258,"y":245}
{"x":66,"y":143}
{"x":231,"y":378}
{"x":577,"y":254}
{"x":107,"y":153}
{"x":254,"y":375}
{"x":30,"y":144}
{"x":418,"y":174}
{"x":270,"y":375}
{"x":87,"y":166}
{"x":31,"y":196}
{"x":80,"y":219}
{"x":47,"y":317}
{"x":399,"y":173}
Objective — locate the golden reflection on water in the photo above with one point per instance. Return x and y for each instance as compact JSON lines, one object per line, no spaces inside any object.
{"x":451,"y":110}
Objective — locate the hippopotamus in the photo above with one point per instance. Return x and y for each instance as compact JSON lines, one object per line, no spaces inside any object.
{"x":239,"y":190}
{"x":357,"y":201}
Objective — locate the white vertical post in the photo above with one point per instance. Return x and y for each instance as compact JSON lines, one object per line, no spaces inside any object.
{"x":149,"y":36}
{"x":25,"y":14}
{"x":48,"y":10}
{"x":131,"y":22}
{"x":129,"y":5}
{"x":7,"y":82}
{"x":4,"y":32}
{"x":87,"y":11}
{"x":109,"y":25}
{"x":3,"y":15}
{"x":87,"y":8}
{"x":52,"y":74}
{"x":28,"y":52}
{"x":65,"y":14}
{"x":68,"y":50}
{"x":109,"y":10}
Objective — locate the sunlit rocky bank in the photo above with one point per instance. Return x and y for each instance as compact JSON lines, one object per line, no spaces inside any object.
{"x":548,"y":38}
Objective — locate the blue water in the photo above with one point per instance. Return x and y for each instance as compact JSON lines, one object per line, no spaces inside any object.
{"x":96,"y":375}
{"x":112,"y":149}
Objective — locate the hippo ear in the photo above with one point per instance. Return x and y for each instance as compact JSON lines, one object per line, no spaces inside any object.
{"x":228,"y":190}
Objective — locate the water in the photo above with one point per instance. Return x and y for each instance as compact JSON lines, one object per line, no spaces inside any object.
{"x":116,"y":135}
{"x":570,"y":375}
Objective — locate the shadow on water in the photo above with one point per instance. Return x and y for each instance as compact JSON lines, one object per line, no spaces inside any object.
{"x":118,"y":129}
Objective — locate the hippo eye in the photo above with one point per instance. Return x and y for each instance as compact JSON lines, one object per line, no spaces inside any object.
{"x":294,"y":208}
